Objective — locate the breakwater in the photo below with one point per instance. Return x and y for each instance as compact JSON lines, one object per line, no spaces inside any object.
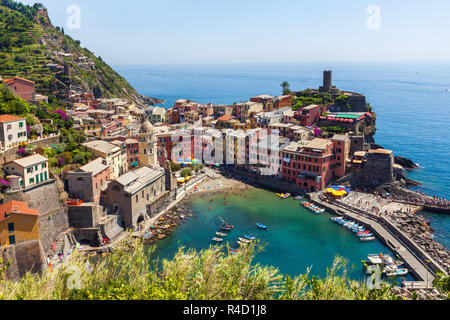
{"x":392,"y":237}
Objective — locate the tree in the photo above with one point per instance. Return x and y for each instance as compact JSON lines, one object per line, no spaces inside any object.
{"x":286,"y":87}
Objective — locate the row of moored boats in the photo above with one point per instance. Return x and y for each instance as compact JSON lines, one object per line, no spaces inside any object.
{"x":361,"y":232}
{"x":245,"y":239}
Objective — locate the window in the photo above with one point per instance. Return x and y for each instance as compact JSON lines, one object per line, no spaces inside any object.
{"x":44,"y":165}
{"x":12,"y":240}
{"x":11,"y":227}
{"x":31,"y":180}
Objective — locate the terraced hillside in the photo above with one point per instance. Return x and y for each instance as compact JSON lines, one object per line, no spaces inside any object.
{"x":31,"y":47}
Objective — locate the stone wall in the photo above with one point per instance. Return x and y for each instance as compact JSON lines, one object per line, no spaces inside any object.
{"x":11,"y":154}
{"x":85,"y":216}
{"x":51,"y":225}
{"x":24,"y":257}
{"x":44,"y":197}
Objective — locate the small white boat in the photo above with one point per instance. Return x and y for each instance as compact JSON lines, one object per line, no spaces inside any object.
{"x":220,"y":234}
{"x":374,"y":259}
{"x":393,"y":271}
{"x":367,"y":239}
{"x":245,"y":240}
{"x":217,"y":239}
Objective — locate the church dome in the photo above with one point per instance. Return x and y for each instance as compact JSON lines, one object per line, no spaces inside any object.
{"x":146,"y":127}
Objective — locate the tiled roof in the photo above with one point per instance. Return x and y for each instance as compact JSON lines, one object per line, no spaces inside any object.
{"x":8,"y":118}
{"x":30,"y":161}
{"x":16,"y":207}
{"x":95,"y":166}
{"x":11,"y":80}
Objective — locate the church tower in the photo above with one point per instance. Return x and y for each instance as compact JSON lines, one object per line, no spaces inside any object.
{"x":147,"y":145}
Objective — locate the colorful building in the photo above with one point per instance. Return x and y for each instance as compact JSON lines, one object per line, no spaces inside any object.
{"x":13,"y":130}
{"x":32,"y":170}
{"x":18,"y":223}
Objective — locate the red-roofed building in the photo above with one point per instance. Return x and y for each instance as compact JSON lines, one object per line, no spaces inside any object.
{"x":13,"y":130}
{"x":18,"y":223}
{"x":22,"y":87}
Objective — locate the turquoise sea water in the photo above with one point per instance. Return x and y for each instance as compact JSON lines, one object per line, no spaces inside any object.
{"x":295,"y":240}
{"x":410,"y":99}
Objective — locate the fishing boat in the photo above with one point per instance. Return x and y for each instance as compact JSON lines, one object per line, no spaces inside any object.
{"x":217,"y":239}
{"x":225,"y":225}
{"x":249,"y":237}
{"x":299,"y":198}
{"x":284,"y":195}
{"x":336,"y":219}
{"x":226,"y":228}
{"x":261,"y":226}
{"x":245,"y":240}
{"x":220,"y":234}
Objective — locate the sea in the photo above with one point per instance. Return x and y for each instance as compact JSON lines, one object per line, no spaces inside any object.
{"x":412,"y":102}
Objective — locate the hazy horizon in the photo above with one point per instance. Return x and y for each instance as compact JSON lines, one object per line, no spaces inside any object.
{"x":176,"y":32}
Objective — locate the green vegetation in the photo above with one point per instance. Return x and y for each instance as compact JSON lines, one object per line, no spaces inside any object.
{"x":129,"y":274}
{"x":28,"y":43}
{"x":286,"y":88}
{"x":343,"y":102}
{"x":308,"y":97}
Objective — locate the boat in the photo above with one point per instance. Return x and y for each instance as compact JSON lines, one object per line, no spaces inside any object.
{"x":226,"y":228}
{"x":284,"y":195}
{"x":374,"y":259}
{"x":220,"y":234}
{"x":299,"y":198}
{"x":336,"y":219}
{"x":233,"y":250}
{"x":368,"y":235}
{"x":393,"y":271}
{"x":245,"y":240}
{"x":367,"y":239}
{"x":217,"y":239}
{"x":249,"y":237}
{"x":261,"y":226}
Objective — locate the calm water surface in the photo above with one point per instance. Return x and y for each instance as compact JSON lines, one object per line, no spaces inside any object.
{"x":295,"y":240}
{"x":412,"y":105}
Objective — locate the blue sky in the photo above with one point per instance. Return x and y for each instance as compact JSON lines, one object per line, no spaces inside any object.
{"x":235,"y":31}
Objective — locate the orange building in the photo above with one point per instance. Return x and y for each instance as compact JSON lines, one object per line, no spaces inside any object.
{"x":18,"y":223}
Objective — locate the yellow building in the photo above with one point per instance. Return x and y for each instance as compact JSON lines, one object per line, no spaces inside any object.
{"x":18,"y":223}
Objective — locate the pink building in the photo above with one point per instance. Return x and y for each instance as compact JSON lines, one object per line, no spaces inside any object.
{"x":22,"y":87}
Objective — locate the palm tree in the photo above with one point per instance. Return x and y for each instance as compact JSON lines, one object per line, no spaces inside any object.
{"x":285,"y":85}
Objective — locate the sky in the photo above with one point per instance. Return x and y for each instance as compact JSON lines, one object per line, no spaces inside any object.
{"x":256,"y":31}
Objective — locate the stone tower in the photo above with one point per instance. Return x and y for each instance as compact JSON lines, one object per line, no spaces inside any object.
{"x":328,"y":83}
{"x":147,"y":144}
{"x":327,"y":79}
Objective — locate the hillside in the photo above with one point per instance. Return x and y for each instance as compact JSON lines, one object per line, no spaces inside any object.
{"x":31,"y":47}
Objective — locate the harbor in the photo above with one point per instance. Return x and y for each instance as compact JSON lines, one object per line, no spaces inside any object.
{"x":409,"y":253}
{"x":295,"y":238}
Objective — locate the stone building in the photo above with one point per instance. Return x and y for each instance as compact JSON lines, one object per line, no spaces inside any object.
{"x":378,"y":168}
{"x":132,"y":195}
{"x":87,"y":182}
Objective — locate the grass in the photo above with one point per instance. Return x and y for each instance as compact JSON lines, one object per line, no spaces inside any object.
{"x":129,"y":274}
